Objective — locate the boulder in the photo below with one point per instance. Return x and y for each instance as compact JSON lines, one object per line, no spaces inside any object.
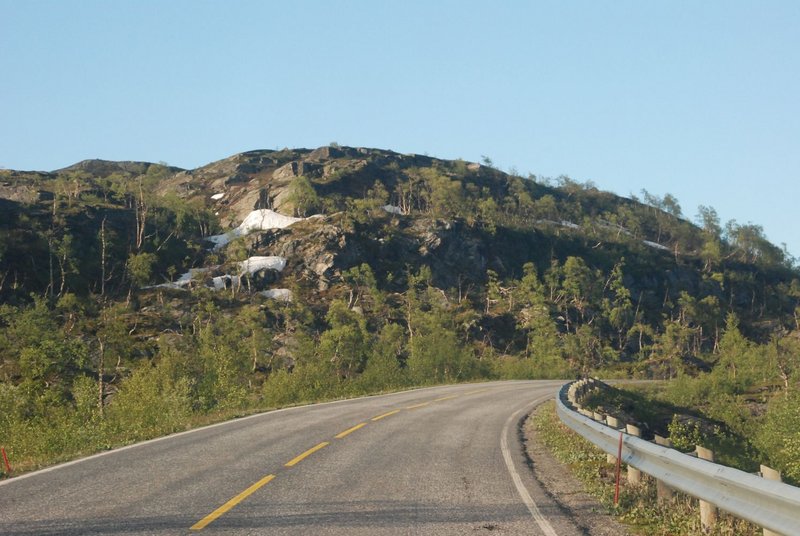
{"x":287,"y":171}
{"x":326,"y":153}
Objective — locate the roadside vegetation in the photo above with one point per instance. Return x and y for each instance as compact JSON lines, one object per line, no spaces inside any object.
{"x":419,"y":272}
{"x":741,"y":409}
{"x":638,"y":506}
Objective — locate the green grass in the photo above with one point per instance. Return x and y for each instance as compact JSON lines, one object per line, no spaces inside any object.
{"x":638,"y":507}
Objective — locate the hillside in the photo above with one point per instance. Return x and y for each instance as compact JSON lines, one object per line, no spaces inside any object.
{"x":141,"y":291}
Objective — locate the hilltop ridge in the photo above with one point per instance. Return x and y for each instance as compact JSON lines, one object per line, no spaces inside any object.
{"x":139,"y":297}
{"x":459,"y":218}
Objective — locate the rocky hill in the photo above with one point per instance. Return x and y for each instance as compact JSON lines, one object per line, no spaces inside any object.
{"x":137,"y":298}
{"x":394,"y":212}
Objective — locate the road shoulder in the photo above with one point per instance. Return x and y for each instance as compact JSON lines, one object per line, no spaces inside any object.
{"x":564,"y":489}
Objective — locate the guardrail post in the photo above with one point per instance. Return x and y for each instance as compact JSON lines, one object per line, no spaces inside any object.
{"x":634,"y":475}
{"x":571,"y":394}
{"x":770,"y":504}
{"x":580,"y":391}
{"x":770,"y":474}
{"x":708,"y":512}
{"x":613,"y":422}
{"x":664,"y":493}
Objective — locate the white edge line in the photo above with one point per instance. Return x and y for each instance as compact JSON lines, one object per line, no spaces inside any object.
{"x":215,"y":425}
{"x":537,"y":515}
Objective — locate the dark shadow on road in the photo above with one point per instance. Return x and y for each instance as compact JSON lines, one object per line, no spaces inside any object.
{"x":305,"y":518}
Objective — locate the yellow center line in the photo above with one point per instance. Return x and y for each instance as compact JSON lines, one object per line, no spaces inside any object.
{"x":306,"y":454}
{"x":379,"y":417}
{"x":446,"y":398}
{"x":350,"y":430}
{"x":476,"y":392}
{"x":418,"y":405}
{"x":230,"y":504}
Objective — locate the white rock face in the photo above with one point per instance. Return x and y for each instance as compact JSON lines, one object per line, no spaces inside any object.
{"x":655,"y":245}
{"x":257,"y":220}
{"x":186,"y":278}
{"x":217,"y":197}
{"x":250,"y":266}
{"x":261,"y":220}
{"x":391,"y":209}
{"x":282,"y":294}
{"x":225,"y":281}
{"x":183,"y":280}
{"x":562,"y":223}
{"x":220,"y":240}
{"x":254,"y":264}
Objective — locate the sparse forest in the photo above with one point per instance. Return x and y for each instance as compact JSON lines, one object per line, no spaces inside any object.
{"x":416,"y":271}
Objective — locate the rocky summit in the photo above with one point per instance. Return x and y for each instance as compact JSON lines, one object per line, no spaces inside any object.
{"x":139,"y":298}
{"x":116,"y":228}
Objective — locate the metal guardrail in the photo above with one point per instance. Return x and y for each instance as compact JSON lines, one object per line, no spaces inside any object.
{"x":769,"y":504}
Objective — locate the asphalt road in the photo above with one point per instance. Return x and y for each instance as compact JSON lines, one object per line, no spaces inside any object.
{"x":444,"y":460}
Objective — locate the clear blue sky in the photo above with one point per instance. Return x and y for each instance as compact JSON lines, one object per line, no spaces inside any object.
{"x":697,"y":99}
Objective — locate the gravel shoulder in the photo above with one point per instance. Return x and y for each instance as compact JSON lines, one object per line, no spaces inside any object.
{"x":566,"y":490}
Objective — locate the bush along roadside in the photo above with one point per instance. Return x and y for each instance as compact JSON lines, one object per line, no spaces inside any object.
{"x":638,"y":505}
{"x":684,"y":426}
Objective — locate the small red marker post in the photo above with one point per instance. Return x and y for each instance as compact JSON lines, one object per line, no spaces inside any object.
{"x":619,"y":464}
{"x":5,"y":459}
